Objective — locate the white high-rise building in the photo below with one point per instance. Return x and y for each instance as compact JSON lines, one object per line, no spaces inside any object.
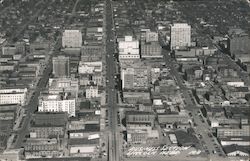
{"x":72,"y":39}
{"x":57,"y":103}
{"x":13,"y":96}
{"x":180,"y":36}
{"x":129,"y":48}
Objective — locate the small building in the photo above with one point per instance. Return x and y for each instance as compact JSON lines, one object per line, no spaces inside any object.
{"x":235,"y":151}
{"x":137,"y":136}
{"x":240,"y":141}
{"x":12,"y":155}
{"x":140,"y":117}
{"x":170,"y":120}
{"x":92,"y":91}
{"x":136,"y":96}
{"x":83,"y":147}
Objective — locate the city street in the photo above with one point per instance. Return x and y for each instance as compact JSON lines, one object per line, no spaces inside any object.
{"x":113,"y":149}
{"x":202,"y":128}
{"x":128,"y":80}
{"x":31,"y":107}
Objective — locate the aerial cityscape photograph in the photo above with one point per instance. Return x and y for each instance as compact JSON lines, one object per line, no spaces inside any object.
{"x":124,"y":80}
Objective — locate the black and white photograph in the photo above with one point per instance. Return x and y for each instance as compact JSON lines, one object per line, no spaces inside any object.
{"x":124,"y":80}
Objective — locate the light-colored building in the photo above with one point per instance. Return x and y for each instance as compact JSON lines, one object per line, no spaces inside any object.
{"x":240,"y":141}
{"x":12,"y":154}
{"x":83,"y":147}
{"x":13,"y":96}
{"x":72,"y":39}
{"x":43,"y":147}
{"x":223,"y":132}
{"x":89,"y":67}
{"x":135,"y":77}
{"x":151,"y":36}
{"x":59,"y":85}
{"x":180,"y":35}
{"x":7,"y":67}
{"x":61,"y":66}
{"x":92,"y":91}
{"x":141,"y":135}
{"x":136,"y":96}
{"x":8,"y":50}
{"x":129,"y":48}
{"x":127,"y":77}
{"x":57,"y":103}
{"x":98,"y":79}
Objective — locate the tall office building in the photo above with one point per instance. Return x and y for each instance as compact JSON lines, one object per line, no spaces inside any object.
{"x":61,"y":66}
{"x":57,"y":103}
{"x":180,"y":36}
{"x":72,"y":39}
{"x":150,"y":46}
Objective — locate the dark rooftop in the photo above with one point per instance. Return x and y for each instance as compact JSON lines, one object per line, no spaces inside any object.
{"x":232,"y":148}
{"x":83,"y":141}
{"x":139,"y":113}
{"x":186,"y":139}
{"x":49,"y":119}
{"x":61,"y":159}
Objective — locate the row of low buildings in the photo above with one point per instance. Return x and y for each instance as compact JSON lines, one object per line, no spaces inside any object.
{"x":55,"y":135}
{"x":158,"y":100}
{"x":231,"y":127}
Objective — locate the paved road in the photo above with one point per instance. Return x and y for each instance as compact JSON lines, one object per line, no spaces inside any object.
{"x":111,"y":91}
{"x":202,"y":127}
{"x":32,"y":106}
